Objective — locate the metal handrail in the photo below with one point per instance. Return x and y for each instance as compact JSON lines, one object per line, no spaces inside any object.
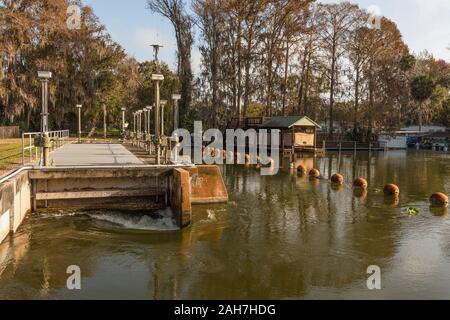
{"x":35,"y":152}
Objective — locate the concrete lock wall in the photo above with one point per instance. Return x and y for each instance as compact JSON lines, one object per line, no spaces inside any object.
{"x":180,"y":197}
{"x":15,"y":203}
{"x":133,"y":188}
{"x":118,"y":188}
{"x":207,"y":185}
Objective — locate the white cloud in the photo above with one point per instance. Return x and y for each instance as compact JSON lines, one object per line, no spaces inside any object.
{"x":433,"y":27}
{"x":428,"y":9}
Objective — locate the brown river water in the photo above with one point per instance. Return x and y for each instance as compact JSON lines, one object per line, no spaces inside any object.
{"x":280,"y":237}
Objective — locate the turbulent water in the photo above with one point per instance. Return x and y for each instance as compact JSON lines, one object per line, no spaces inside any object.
{"x":281,"y":237}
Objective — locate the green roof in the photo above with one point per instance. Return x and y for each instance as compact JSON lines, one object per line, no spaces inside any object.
{"x":289,"y":122}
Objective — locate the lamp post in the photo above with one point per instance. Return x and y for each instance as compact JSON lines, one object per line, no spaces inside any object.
{"x":175,"y":98}
{"x":134,"y":127}
{"x":138,"y":130}
{"x":104,"y":121}
{"x":163,"y":104}
{"x":149,"y":113}
{"x":45,"y":76}
{"x":123,"y":122}
{"x":79,"y":106}
{"x":157,"y":78}
{"x":139,"y":120}
{"x":145,"y":120}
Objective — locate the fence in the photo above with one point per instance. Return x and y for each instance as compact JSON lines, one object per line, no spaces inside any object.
{"x":352,"y":146}
{"x":9,"y":132}
{"x":58,"y":139}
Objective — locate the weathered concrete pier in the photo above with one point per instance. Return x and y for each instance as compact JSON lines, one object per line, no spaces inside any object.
{"x":106,"y":176}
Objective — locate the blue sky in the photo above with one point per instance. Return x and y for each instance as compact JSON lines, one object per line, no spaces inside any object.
{"x":425,"y":24}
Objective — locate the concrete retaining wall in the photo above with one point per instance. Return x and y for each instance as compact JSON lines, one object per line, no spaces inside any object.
{"x":207,"y":185}
{"x":119,"y":188}
{"x":180,"y":197}
{"x":15,"y":203}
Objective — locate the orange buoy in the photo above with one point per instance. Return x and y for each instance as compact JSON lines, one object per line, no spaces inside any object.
{"x":439,"y":199}
{"x":391,"y":190}
{"x":337,"y":179}
{"x":337,"y":187}
{"x":314,"y":174}
{"x":361,"y":183}
{"x":392,"y":201}
{"x":301,"y":169}
{"x":360,"y":193}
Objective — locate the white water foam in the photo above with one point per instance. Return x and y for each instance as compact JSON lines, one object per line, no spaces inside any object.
{"x":130,"y":221}
{"x":61,"y":215}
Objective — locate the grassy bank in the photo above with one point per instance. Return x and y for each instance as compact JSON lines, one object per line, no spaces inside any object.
{"x":10,"y":154}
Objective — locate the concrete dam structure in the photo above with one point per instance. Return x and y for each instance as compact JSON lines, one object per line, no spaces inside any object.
{"x":106,"y":176}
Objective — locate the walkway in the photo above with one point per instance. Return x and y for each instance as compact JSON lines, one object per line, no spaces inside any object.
{"x":93,"y":155}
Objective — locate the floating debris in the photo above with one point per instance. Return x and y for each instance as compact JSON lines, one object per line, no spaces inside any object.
{"x":412,"y":211}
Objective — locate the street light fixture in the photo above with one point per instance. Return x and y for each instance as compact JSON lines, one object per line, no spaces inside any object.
{"x":145,"y":120}
{"x":175,"y":98}
{"x":123,"y":121}
{"x":44,"y":142}
{"x":104,"y":121}
{"x":149,"y":113}
{"x":139,"y":113}
{"x":44,"y":76}
{"x":79,"y":106}
{"x":163,"y":104}
{"x":157,"y":78}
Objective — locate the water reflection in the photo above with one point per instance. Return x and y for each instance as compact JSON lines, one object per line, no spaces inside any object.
{"x":279,"y":237}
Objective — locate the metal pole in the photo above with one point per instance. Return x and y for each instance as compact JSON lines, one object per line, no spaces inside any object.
{"x":145,"y":121}
{"x":23,"y":149}
{"x":79,"y":123}
{"x":123,"y":122}
{"x":175,"y":115}
{"x":31,"y":149}
{"x":44,"y":105}
{"x":104,"y":122}
{"x":162,"y":120}
{"x":157,"y":127}
{"x":149,"y":113}
{"x":175,"y":98}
